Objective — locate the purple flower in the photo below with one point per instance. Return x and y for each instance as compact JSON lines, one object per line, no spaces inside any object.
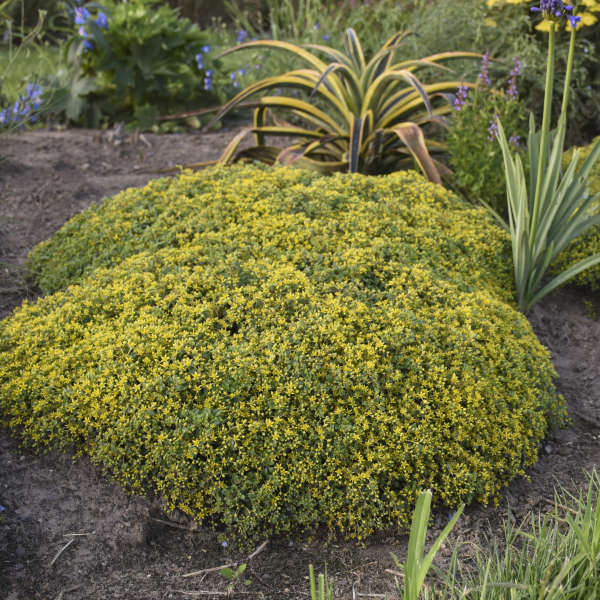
{"x":82,"y":14}
{"x":553,"y":9}
{"x":88,"y":45}
{"x":200,"y":61}
{"x":573,"y":20}
{"x":461,"y":97}
{"x":102,"y":20}
{"x":515,"y":140}
{"x":242,"y":72}
{"x":484,"y":76}
{"x":493,"y":128}
{"x":205,"y":49}
{"x":511,"y":90}
{"x":241,"y":36}
{"x":326,"y":37}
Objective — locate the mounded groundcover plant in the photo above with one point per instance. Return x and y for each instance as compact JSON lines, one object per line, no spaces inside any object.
{"x":270,"y":350}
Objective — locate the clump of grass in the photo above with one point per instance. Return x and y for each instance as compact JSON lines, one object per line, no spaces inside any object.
{"x":555,"y":556}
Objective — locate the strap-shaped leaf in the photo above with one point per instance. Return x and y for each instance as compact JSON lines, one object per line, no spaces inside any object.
{"x":396,"y":40}
{"x":355,"y":50}
{"x":290,"y":131}
{"x":398,"y":106}
{"x":259,"y":120}
{"x":296,"y":155}
{"x":567,"y":274}
{"x":229,"y":152}
{"x":299,"y":51}
{"x":413,"y":138}
{"x":299,"y":79}
{"x":372,"y":95}
{"x":360,"y":128}
{"x":413,"y":64}
{"x":354,"y":100}
{"x":552,"y":172}
{"x":305,"y":110}
{"x":533,"y":147}
{"x":441,"y":56}
{"x":331,"y":53}
{"x":265,"y":154}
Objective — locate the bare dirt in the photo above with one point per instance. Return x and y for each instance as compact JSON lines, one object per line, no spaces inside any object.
{"x":68,"y":533}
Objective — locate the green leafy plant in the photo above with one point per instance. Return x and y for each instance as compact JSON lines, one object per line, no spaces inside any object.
{"x":589,"y":242}
{"x":20,"y":102}
{"x":417,"y":564}
{"x":372,"y":114}
{"x":555,"y":208}
{"x":233,"y":576}
{"x":475,"y":156}
{"x":321,"y":588}
{"x":133,"y":61}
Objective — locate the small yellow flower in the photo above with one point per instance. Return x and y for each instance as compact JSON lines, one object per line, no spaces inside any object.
{"x":592,"y":5}
{"x":544,"y":25}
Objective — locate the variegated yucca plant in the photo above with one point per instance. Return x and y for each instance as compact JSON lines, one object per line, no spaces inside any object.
{"x":359,"y":116}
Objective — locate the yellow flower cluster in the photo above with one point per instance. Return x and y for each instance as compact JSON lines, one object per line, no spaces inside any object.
{"x":589,"y":242}
{"x":586,"y":11}
{"x":269,"y":350}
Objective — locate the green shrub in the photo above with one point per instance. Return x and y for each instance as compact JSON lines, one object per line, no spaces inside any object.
{"x":475,"y":155}
{"x":270,"y":350}
{"x":589,"y":242}
{"x":138,"y":62}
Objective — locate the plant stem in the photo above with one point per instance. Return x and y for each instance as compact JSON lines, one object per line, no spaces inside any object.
{"x":545,"y":133}
{"x":565,"y":99}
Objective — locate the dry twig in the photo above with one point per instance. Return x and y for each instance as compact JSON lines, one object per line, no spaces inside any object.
{"x":61,"y":551}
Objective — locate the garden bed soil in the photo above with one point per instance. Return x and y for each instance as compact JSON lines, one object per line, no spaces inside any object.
{"x":67,"y":532}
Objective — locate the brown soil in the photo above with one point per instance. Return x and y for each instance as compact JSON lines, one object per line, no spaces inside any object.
{"x":125,"y":547}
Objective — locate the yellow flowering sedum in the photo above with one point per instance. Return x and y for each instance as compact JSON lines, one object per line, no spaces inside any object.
{"x":269,"y":350}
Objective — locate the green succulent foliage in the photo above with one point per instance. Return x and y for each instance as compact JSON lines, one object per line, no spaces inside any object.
{"x":271,"y":350}
{"x":141,"y":66}
{"x":587,"y":244}
{"x":361,"y":116}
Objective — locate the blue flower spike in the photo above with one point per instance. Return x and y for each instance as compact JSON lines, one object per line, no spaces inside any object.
{"x":553,"y":9}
